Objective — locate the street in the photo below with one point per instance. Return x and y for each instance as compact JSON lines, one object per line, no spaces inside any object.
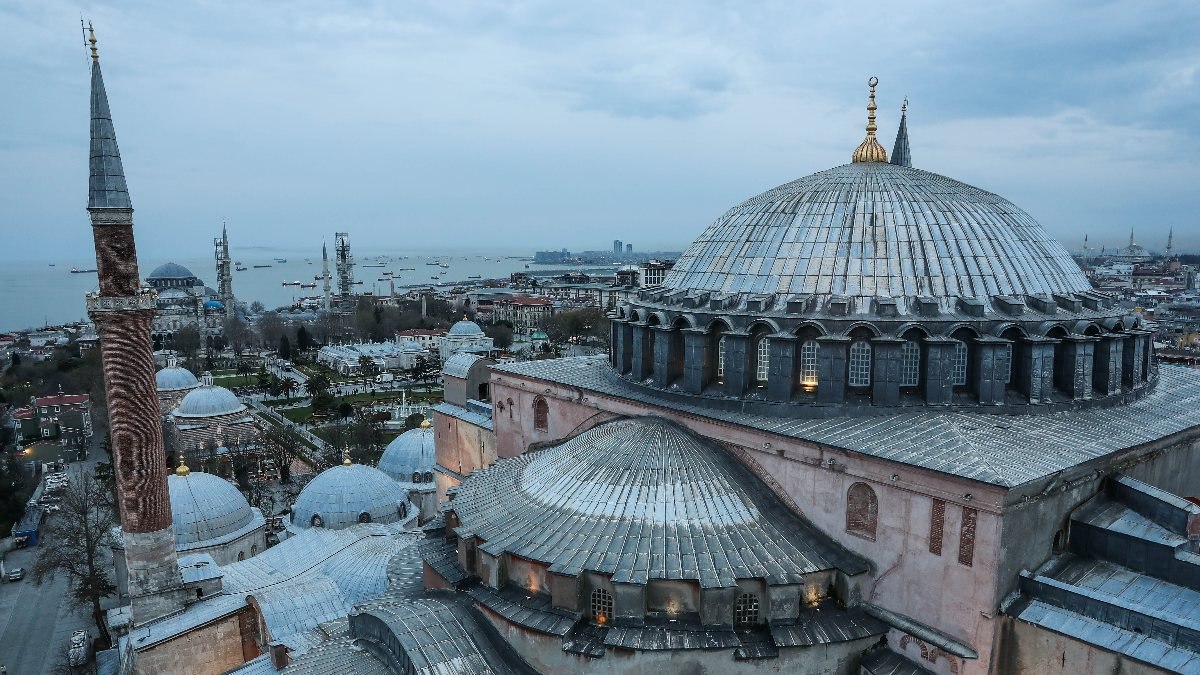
{"x":36,"y":622}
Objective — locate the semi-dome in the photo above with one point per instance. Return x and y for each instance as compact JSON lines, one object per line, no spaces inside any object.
{"x":410,"y":455}
{"x":207,"y":510}
{"x":873,"y":229}
{"x":348,"y":494}
{"x":171,"y":271}
{"x":209,"y":401}
{"x":465,"y":328}
{"x":644,"y":479}
{"x":174,"y":378}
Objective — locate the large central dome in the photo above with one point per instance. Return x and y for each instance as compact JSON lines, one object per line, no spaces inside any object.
{"x":873,"y":229}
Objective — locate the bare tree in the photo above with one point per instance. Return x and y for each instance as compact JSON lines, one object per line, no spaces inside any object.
{"x":73,"y":544}
{"x":270,"y":328}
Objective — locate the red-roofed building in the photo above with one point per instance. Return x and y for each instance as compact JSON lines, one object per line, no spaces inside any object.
{"x":66,"y":417}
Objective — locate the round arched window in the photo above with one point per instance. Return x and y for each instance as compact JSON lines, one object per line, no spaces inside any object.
{"x":428,"y":476}
{"x":403,"y":511}
{"x":416,"y":477}
{"x":364,"y":517}
{"x":241,"y":556}
{"x":253,"y":550}
{"x":316,"y":521}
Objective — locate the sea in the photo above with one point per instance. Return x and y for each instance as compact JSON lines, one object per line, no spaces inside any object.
{"x":36,"y":294}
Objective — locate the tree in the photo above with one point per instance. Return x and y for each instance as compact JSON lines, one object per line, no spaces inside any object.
{"x":317,"y":384}
{"x":237,"y":333}
{"x":501,"y":334}
{"x":303,"y":339}
{"x":345,"y":409}
{"x":73,"y":542}
{"x":281,"y":446}
{"x":413,"y":421}
{"x":285,"y":348}
{"x":16,"y":360}
{"x":270,"y":328}
{"x":257,"y":307}
{"x":288,"y":386}
{"x":187,"y":341}
{"x":366,"y":365}
{"x":424,"y":370}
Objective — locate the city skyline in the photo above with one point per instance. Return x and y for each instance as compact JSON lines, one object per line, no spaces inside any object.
{"x":544,"y":124}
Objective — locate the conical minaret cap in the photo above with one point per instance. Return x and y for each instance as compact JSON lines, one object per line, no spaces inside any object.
{"x":106,"y":184}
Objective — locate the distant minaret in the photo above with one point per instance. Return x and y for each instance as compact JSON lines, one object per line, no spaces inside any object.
{"x":123,"y":310}
{"x":224,"y":270}
{"x":900,"y":153}
{"x":1131,"y":242}
{"x":325,"y":272}
{"x":1170,"y":241}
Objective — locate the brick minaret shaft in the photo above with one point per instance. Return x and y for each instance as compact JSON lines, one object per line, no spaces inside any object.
{"x":122,"y":311}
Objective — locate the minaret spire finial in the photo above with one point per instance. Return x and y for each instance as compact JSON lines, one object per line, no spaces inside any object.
{"x":182,"y":469}
{"x":901,"y":156}
{"x":870,"y":150}
{"x":92,"y":40}
{"x":346,"y":457}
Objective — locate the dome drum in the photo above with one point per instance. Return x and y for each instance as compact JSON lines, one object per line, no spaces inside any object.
{"x":1042,"y":355}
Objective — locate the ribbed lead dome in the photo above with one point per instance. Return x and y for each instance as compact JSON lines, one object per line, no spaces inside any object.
{"x":877,"y":230}
{"x":209,"y":401}
{"x":608,"y":499}
{"x":207,"y":510}
{"x":174,"y":378}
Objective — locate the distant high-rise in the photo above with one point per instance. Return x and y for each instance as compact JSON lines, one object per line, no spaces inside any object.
{"x":325,"y":274}
{"x":629,"y":248}
{"x":617,"y":247}
{"x":345,"y":264}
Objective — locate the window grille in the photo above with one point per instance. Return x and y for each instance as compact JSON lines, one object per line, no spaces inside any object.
{"x":910,"y":364}
{"x":602,"y":606}
{"x":937,"y":522}
{"x":541,"y":414}
{"x":364,"y":517}
{"x":860,"y":364}
{"x":959,"y":364}
{"x":966,"y":537}
{"x":745,"y":610}
{"x":428,"y":476}
{"x":808,"y":362}
{"x":721,"y":357}
{"x":316,"y":521}
{"x":763,"y":360}
{"x":1008,"y":363}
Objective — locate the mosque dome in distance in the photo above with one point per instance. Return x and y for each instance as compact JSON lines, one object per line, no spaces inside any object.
{"x":209,"y":401}
{"x":348,"y":494}
{"x":174,"y":378}
{"x":465,"y":328}
{"x":171,"y":271}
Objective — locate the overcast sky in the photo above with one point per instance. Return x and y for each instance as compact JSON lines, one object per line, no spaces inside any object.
{"x":567,"y":124}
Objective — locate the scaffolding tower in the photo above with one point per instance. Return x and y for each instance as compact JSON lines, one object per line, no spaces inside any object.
{"x":345,"y":264}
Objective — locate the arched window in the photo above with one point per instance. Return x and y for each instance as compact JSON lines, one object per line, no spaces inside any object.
{"x":721,"y":358}
{"x":808,"y":363}
{"x":862,"y":510}
{"x":910,"y":364}
{"x":403,"y":510}
{"x":364,"y":517}
{"x":745,"y":610}
{"x":510,"y":408}
{"x":762,"y":360}
{"x":428,"y":476}
{"x":860,"y":364}
{"x":241,"y":556}
{"x":316,"y":521}
{"x":541,"y":414}
{"x":958,"y":364}
{"x":601,"y":605}
{"x":416,"y":477}
{"x":253,"y":550}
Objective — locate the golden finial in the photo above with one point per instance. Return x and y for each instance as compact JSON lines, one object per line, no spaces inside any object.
{"x":182,"y":469}
{"x":870,"y":150}
{"x":425,"y":424}
{"x":346,"y":457}
{"x":92,"y":40}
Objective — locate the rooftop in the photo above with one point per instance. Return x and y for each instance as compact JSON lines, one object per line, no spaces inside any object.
{"x":1001,"y":450}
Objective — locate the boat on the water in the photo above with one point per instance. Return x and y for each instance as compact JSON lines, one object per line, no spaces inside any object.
{"x":76,"y":270}
{"x":373,"y":265}
{"x":474,"y":276}
{"x":239,"y":268}
{"x":261,"y":266}
{"x":308,"y":285}
{"x":281,"y":260}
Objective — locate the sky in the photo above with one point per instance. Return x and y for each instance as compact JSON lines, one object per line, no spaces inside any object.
{"x":518,"y":126}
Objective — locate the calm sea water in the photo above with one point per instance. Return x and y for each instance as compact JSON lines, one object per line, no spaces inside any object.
{"x":36,"y":294}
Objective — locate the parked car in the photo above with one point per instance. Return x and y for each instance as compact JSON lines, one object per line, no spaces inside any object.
{"x":15,"y":574}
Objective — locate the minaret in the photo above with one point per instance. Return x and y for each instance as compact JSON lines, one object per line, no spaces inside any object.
{"x":1131,"y":242}
{"x":122,"y":310}
{"x":224,"y":270}
{"x":325,"y":273}
{"x":1170,"y":241}
{"x":900,"y":154}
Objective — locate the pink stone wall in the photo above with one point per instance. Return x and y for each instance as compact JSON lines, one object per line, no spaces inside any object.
{"x":907,"y":577}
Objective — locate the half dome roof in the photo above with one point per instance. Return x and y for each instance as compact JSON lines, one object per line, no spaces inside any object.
{"x":610,"y":498}
{"x":874,"y":229}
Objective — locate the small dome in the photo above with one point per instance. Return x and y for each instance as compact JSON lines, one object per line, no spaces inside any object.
{"x":171,"y":271}
{"x":346,"y":495}
{"x":539,"y":335}
{"x":411,"y":346}
{"x":409,"y":453}
{"x":209,"y":401}
{"x":207,"y":510}
{"x":466,"y":328}
{"x":174,"y":378}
